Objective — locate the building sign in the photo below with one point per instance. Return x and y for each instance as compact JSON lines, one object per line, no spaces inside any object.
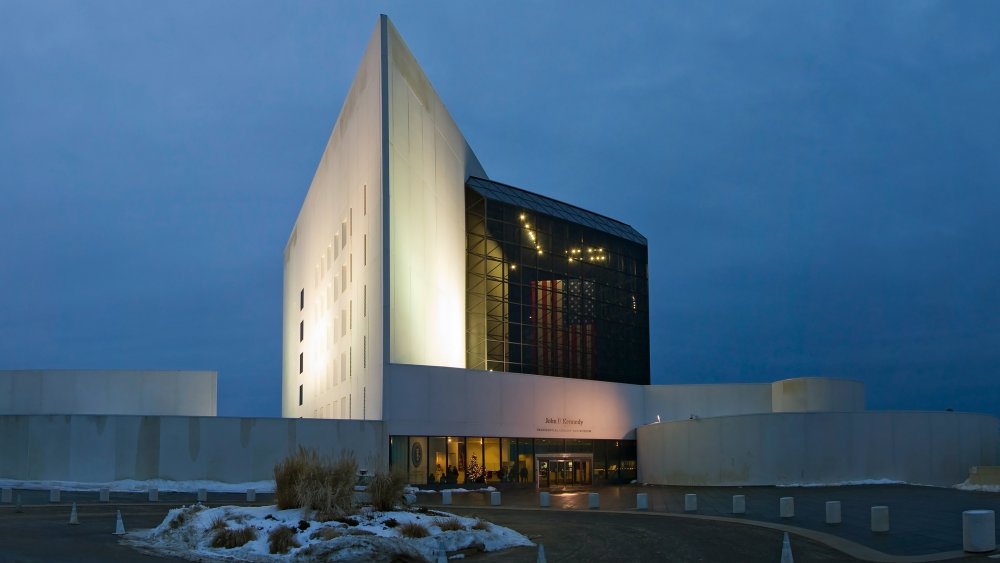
{"x":563,"y":424}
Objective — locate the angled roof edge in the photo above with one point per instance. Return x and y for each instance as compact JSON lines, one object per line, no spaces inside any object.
{"x":491,"y":189}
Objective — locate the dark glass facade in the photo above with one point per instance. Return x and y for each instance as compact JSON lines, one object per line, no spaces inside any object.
{"x":544,"y":462}
{"x":553,"y":289}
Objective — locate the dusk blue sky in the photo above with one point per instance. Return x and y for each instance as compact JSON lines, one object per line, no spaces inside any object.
{"x":819,"y":181}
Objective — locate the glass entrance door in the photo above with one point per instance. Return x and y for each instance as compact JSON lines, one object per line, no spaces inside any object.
{"x":568,"y":470}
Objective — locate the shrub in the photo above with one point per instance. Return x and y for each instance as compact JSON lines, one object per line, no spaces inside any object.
{"x":281,"y":539}
{"x":450,"y":525}
{"x":413,"y":530}
{"x":386,"y":489}
{"x":305,"y":480}
{"x":391,"y":523}
{"x":481,"y":525}
{"x":224,"y":537}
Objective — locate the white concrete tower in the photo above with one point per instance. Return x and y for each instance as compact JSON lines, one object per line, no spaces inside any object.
{"x":375,"y":265}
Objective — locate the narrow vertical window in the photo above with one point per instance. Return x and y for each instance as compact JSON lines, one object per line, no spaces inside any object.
{"x":300,"y":395}
{"x":350,"y":315}
{"x":343,"y":234}
{"x":350,"y":267}
{"x":364,"y":199}
{"x":301,"y":362}
{"x":302,"y":299}
{"x":350,"y":362}
{"x":364,"y":257}
{"x":364,"y":301}
{"x":302,"y":330}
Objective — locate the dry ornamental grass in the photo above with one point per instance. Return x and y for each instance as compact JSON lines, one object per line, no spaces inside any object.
{"x":386,"y":489}
{"x":281,"y":539}
{"x":306,"y":480}
{"x":226,"y":538}
{"x":450,"y":525}
{"x":413,"y":530}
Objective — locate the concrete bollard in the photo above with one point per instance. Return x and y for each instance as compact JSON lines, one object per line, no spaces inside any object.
{"x":690,"y":502}
{"x":880,"y":518}
{"x":17,"y":507}
{"x":540,"y":558}
{"x":495,"y":498}
{"x":55,"y":495}
{"x":73,"y":516}
{"x":202,"y":495}
{"x":593,"y":501}
{"x":6,"y":495}
{"x":979,"y":531}
{"x":642,"y":501}
{"x":544,"y":500}
{"x":739,"y":504}
{"x":833,"y":512}
{"x":786,"y":507}
{"x":104,"y":495}
{"x":154,"y":495}
{"x":251,"y":495}
{"x":445,"y":497}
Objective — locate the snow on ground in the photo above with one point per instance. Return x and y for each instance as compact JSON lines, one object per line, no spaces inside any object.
{"x":967,"y":486}
{"x":489,"y":489}
{"x":131,"y":485}
{"x":371,"y":536}
{"x":848,"y":483}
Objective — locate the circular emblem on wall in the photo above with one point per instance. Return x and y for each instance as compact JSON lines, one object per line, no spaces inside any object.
{"x":416,"y":454}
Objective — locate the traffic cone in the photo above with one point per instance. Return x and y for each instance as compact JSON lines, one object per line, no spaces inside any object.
{"x":119,"y":525}
{"x":786,"y":550}
{"x":541,"y":554}
{"x":72,"y":515}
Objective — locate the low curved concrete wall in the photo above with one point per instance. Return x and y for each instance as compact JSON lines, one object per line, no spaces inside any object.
{"x":96,"y":449}
{"x":931,"y":448}
{"x":817,"y":394}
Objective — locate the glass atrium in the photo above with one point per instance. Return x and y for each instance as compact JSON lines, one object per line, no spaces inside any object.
{"x":553,"y":289}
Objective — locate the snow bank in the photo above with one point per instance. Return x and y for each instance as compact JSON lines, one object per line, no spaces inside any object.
{"x":369,"y":536}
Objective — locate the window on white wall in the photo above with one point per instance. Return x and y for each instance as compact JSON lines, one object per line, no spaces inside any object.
{"x":343,"y":234}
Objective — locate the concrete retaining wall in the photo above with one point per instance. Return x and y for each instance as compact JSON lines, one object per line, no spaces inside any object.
{"x":96,"y":449}
{"x":138,"y":392}
{"x":931,"y":448}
